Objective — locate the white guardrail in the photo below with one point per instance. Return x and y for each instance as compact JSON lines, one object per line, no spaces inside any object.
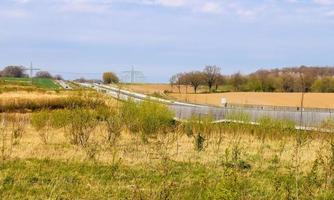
{"x":184,"y":111}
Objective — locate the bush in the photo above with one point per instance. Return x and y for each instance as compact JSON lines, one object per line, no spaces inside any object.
{"x":81,"y":123}
{"x":41,"y":122}
{"x":146,"y":117}
{"x":113,"y":122}
{"x":78,"y":123}
{"x":110,"y":77}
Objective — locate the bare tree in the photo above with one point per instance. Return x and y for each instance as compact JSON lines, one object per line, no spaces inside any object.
{"x":43,"y":74}
{"x":177,"y":80}
{"x":220,"y":81}
{"x":13,"y":71}
{"x":211,"y":74}
{"x":195,"y":79}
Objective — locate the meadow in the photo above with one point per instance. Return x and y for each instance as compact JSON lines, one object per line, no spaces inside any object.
{"x":100,"y":148}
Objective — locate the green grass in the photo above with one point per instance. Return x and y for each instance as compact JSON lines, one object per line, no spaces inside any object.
{"x":50,"y":179}
{"x":44,"y":83}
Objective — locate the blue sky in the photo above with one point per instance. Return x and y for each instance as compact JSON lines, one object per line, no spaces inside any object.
{"x":161,"y":37}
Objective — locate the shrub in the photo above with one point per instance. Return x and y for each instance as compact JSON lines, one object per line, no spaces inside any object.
{"x":80,"y":125}
{"x":41,"y":122}
{"x":154,"y":117}
{"x":110,"y":77}
{"x":113,"y":122}
{"x":146,"y":117}
{"x":129,"y":113}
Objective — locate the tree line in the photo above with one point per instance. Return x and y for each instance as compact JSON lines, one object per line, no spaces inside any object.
{"x":19,"y":72}
{"x":293,"y":79}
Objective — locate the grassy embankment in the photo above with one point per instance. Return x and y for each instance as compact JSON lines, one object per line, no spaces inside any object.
{"x":9,"y":83}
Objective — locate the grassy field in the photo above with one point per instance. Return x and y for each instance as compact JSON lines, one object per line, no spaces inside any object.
{"x":312,"y":100}
{"x":105,"y":149}
{"x":43,"y":83}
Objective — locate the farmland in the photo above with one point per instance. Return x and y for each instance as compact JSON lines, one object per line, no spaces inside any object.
{"x":83,"y":145}
{"x":312,"y":100}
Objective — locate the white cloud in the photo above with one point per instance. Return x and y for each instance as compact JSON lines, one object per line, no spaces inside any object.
{"x":85,"y":6}
{"x":211,"y":7}
{"x":173,"y":3}
{"x":167,"y":3}
{"x":324,"y":2}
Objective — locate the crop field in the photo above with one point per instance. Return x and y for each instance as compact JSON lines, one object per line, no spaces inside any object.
{"x":43,"y":83}
{"x":84,"y":145}
{"x":311,"y":100}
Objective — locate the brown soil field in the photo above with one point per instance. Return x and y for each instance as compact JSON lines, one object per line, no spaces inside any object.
{"x":156,"y":88}
{"x":312,"y":100}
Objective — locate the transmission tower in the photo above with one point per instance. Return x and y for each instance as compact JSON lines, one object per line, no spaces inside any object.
{"x":31,"y":70}
{"x":133,"y":76}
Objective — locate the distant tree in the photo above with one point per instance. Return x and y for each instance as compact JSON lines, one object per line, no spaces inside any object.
{"x":220,"y":80}
{"x":325,"y":84}
{"x":287,"y":82}
{"x":211,"y":73}
{"x":58,"y":77}
{"x":43,"y":74}
{"x":178,"y":80}
{"x":13,"y":71}
{"x":253,"y":84}
{"x":237,"y":81}
{"x":110,"y":77}
{"x":81,"y":80}
{"x":195,"y":79}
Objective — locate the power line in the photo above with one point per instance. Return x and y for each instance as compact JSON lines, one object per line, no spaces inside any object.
{"x":31,"y":69}
{"x":133,"y":76}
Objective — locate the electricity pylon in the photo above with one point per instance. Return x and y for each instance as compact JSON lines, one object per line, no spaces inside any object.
{"x":133,"y":75}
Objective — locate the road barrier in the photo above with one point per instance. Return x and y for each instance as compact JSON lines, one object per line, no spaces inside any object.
{"x":306,"y":119}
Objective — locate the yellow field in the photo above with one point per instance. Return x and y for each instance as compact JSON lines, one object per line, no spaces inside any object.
{"x":155,"y":88}
{"x":312,"y":100}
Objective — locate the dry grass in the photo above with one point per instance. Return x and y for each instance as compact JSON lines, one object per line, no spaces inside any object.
{"x":130,"y":150}
{"x":33,"y":101}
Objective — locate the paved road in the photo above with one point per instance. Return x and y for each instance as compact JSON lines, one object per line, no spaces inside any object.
{"x":184,"y":111}
{"x":64,"y":85}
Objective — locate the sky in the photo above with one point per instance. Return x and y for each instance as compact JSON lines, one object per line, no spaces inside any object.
{"x":83,"y":38}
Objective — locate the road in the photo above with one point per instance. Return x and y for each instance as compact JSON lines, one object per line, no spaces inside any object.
{"x":64,"y":85}
{"x":184,"y":111}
